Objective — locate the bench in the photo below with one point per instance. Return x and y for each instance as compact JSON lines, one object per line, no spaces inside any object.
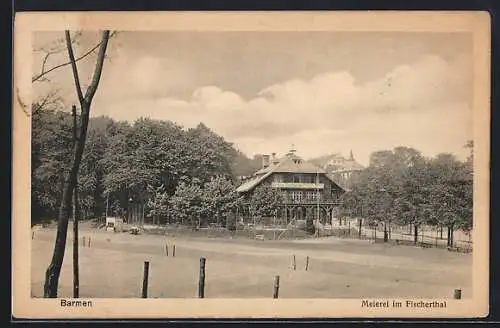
{"x":259,"y":237}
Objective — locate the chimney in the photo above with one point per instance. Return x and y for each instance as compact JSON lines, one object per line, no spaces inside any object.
{"x":265,"y":161}
{"x":275,"y":160}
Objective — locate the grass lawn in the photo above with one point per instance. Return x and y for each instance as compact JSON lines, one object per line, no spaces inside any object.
{"x":242,"y":268}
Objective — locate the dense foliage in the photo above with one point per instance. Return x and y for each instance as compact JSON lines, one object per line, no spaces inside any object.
{"x":404,"y":188}
{"x":153,"y":167}
{"x":266,"y":201}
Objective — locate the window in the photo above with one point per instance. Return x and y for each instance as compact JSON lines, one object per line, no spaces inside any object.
{"x":313,"y":195}
{"x":278,"y":178}
{"x":296,"y":196}
{"x":296,"y":178}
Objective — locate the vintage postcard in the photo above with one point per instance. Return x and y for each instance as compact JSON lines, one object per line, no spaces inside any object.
{"x":251,"y":165}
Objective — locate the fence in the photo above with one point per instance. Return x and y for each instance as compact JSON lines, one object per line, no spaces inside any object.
{"x":427,"y":236}
{"x":269,"y":229}
{"x":264,"y":232}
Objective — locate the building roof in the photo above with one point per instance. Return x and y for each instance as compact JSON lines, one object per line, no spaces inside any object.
{"x":323,"y":160}
{"x":348,"y":165}
{"x":253,"y":182}
{"x":291,"y":163}
{"x":338,"y":163}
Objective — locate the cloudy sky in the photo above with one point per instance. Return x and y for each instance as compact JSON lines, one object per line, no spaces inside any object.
{"x":324,"y":92}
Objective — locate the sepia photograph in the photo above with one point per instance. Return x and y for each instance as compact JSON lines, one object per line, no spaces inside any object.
{"x":280,"y":162}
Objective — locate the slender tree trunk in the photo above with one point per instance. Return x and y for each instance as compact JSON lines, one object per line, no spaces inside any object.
{"x":386,"y":236}
{"x":451,"y":235}
{"x":76,"y":269}
{"x":76,"y":273}
{"x":360,"y":226}
{"x":448,"y":237}
{"x":54,"y":270}
{"x":415,"y":234}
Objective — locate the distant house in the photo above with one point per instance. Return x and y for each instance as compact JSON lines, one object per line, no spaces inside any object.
{"x":306,"y":187}
{"x":340,"y":168}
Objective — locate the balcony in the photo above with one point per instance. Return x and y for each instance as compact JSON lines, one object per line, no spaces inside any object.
{"x":298,"y":185}
{"x":307,"y":201}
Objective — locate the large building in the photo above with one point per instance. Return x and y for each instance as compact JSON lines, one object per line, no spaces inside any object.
{"x":306,"y":188}
{"x":340,"y":168}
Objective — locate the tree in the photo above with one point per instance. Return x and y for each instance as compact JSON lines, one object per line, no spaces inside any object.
{"x":451,"y":194}
{"x":469,"y":163}
{"x":219,"y":198}
{"x":59,"y":46}
{"x":90,"y":184}
{"x":54,"y":269}
{"x":158,"y":204}
{"x":394,"y":188}
{"x":50,"y":155}
{"x":211,"y":155}
{"x":186,"y":203}
{"x":244,"y":166}
{"x":413,"y":197}
{"x":266,"y":201}
{"x":153,"y":153}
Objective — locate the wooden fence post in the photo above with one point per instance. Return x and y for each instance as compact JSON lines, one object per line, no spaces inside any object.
{"x":166,"y":248}
{"x":145,"y":280}
{"x":457,"y":294}
{"x":294,"y":264}
{"x":276,"y":286}
{"x":89,"y":241}
{"x":83,"y":242}
{"x":201,"y":284}
{"x":173,"y":251}
{"x":307,"y":263}
{"x":32,"y":235}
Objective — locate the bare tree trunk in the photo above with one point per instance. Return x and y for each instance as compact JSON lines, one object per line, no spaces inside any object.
{"x":415,"y":234}
{"x":54,"y":270}
{"x":451,"y":236}
{"x":76,"y":269}
{"x":76,"y":273}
